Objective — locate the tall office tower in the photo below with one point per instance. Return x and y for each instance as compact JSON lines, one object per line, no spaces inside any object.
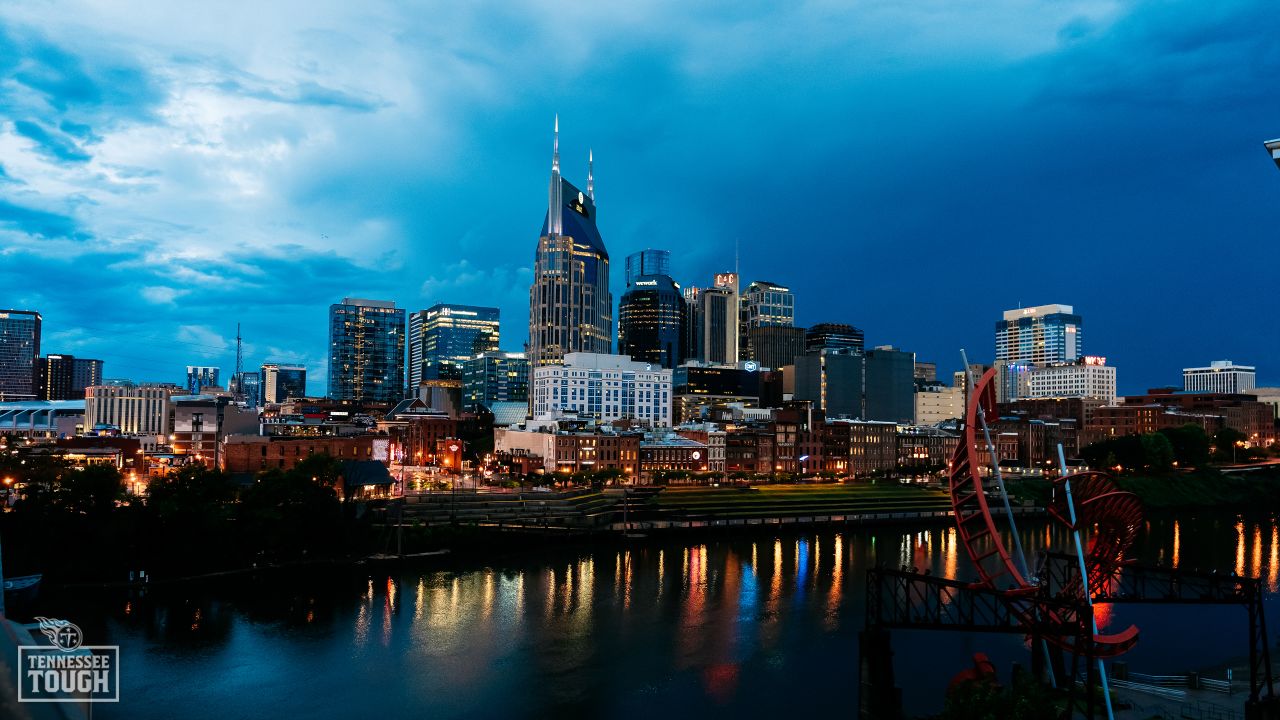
{"x":1222,"y":376}
{"x":281,"y":382}
{"x":494,"y":377}
{"x":764,"y":304}
{"x":1039,"y":335}
{"x":651,"y":317}
{"x":926,"y":372}
{"x":774,"y":346}
{"x":647,"y":262}
{"x":200,"y":376}
{"x":55,"y":378}
{"x":833,"y":336}
{"x":570,"y":308}
{"x":889,"y":393}
{"x":444,"y":336}
{"x":692,"y":323}
{"x":718,"y":313}
{"x":366,"y":351}
{"x":833,"y":380}
{"x":19,"y":348}
{"x":248,"y":385}
{"x":85,"y":373}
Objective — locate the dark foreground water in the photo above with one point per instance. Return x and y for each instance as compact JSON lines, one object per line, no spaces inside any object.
{"x":743,"y":626}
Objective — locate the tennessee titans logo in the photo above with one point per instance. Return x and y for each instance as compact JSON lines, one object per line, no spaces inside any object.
{"x":64,"y":634}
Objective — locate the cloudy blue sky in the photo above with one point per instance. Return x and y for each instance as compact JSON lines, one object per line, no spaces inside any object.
{"x":169,"y":169}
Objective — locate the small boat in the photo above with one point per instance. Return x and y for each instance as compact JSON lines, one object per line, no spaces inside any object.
{"x":21,"y":590}
{"x":25,"y":582}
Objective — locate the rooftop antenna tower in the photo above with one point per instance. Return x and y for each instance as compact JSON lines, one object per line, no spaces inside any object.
{"x":239,"y":376}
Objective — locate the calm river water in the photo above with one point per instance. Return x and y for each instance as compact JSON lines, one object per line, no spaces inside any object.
{"x":749,"y":626}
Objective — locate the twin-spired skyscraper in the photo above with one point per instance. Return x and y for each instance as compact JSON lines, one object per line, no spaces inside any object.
{"x":570,"y":307}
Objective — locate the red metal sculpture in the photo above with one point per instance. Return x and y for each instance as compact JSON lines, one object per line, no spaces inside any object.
{"x":1113,"y":517}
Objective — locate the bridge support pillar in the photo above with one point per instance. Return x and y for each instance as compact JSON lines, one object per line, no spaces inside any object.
{"x":878,"y":697}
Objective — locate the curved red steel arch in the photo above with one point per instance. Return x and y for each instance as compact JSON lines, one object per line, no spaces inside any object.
{"x":1113,"y":515}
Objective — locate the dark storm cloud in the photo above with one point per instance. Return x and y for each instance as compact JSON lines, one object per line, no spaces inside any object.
{"x":911,"y":169}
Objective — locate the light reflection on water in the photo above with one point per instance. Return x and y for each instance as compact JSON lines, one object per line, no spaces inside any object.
{"x":716,"y":625}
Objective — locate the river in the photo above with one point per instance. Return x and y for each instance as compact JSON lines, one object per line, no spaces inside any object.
{"x":744,"y":625}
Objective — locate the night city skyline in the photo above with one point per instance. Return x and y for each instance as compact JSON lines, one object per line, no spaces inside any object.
{"x":179,"y":182}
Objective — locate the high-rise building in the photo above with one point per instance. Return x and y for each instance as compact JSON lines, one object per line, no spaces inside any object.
{"x":281,"y":382}
{"x":19,"y":348}
{"x":651,"y":317}
{"x":366,"y":351}
{"x":143,"y":410}
{"x":444,"y":336}
{"x":200,"y":376}
{"x":86,"y":372}
{"x":55,"y":378}
{"x":692,"y":323}
{"x":647,"y":262}
{"x":570,"y":307}
{"x":763,"y":304}
{"x":890,"y":384}
{"x":1088,"y":377}
{"x":832,"y":380}
{"x":604,"y":387}
{"x":775,"y":346}
{"x":719,"y":315}
{"x":494,"y":377}
{"x":766,"y":303}
{"x":248,"y":385}
{"x":833,"y":336}
{"x":926,"y":372}
{"x":1039,"y":335}
{"x":1222,"y":376}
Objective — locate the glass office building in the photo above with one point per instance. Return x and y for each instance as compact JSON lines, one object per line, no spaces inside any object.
{"x":281,"y":382}
{"x":366,"y":351}
{"x":1041,"y":335}
{"x":570,"y":307}
{"x":199,"y":376}
{"x":443,"y":337}
{"x":19,"y":348}
{"x":833,"y":337}
{"x":651,"y":317}
{"x":647,"y":262}
{"x":495,"y":377}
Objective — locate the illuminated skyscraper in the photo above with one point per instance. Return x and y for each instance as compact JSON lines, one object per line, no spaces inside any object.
{"x":651,"y":318}
{"x":199,"y":376}
{"x":281,"y":382}
{"x":366,"y":351}
{"x":444,"y":336}
{"x":19,"y":348}
{"x":1039,"y":335}
{"x":570,"y":307}
{"x":647,"y":262}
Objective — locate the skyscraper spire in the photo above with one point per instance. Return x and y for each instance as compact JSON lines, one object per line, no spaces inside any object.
{"x":591,"y":184}
{"x":555,"y":200}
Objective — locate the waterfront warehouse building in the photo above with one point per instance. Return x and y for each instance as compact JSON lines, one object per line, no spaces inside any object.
{"x":19,"y":348}
{"x":570,"y":307}
{"x":366,"y":351}
{"x":651,"y":318}
{"x":444,"y":336}
{"x":1222,"y":376}
{"x":604,"y":387}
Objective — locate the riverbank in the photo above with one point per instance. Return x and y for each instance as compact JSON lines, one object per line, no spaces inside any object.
{"x":1207,"y":488}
